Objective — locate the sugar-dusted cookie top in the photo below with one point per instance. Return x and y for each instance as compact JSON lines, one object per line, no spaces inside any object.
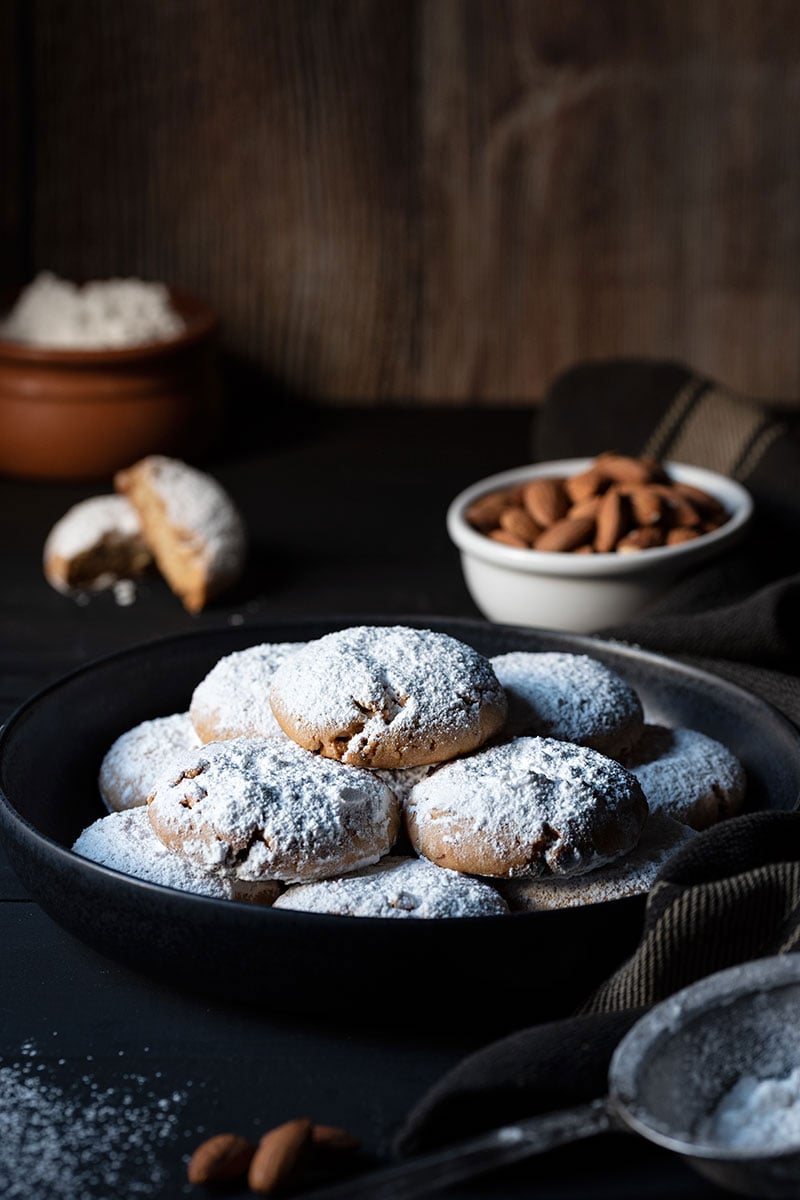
{"x":532,"y":806}
{"x":392,"y":696}
{"x":125,"y":841}
{"x":572,"y":697}
{"x":137,"y":757}
{"x":190,"y":523}
{"x":632,"y":874}
{"x":688,"y":775}
{"x":264,"y":808}
{"x":97,"y":542}
{"x":397,"y":887}
{"x":233,"y":698}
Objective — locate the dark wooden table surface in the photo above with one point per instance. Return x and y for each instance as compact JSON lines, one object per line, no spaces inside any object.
{"x":346,"y":516}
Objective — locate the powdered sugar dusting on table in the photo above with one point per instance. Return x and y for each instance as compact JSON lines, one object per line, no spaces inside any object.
{"x":233,"y":698}
{"x":397,"y":887}
{"x":536,"y":790}
{"x":264,"y":808}
{"x":572,"y":697}
{"x":406,"y":681}
{"x":75,"y":1138}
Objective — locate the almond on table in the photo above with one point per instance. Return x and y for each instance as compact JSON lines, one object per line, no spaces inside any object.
{"x":619,"y":504}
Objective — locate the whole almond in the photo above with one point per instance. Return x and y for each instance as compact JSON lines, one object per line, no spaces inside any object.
{"x":681,"y":510}
{"x":484,"y":513}
{"x":224,"y":1158}
{"x":647,"y":507}
{"x":586,"y":508}
{"x":508,"y":539}
{"x":567,"y":534}
{"x":545,"y":500}
{"x":708,"y":505}
{"x":623,"y":469}
{"x":681,"y":534}
{"x":587,"y":483}
{"x":278,"y":1155}
{"x":612,"y":521}
{"x":518,"y":521}
{"x":644,"y":538}
{"x":332,"y":1137}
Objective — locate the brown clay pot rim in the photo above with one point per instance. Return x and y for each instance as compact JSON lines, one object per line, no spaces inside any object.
{"x":201,"y":320}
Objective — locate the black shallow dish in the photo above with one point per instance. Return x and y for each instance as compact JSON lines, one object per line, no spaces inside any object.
{"x":497,"y":970}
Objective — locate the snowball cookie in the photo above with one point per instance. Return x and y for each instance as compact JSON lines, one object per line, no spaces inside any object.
{"x":97,"y":542}
{"x":125,"y":841}
{"x":397,"y":887}
{"x":135,"y":760}
{"x":571,"y":697}
{"x":532,"y":806}
{"x":233,"y":699}
{"x":392,"y":696}
{"x":264,"y":808}
{"x":631,"y":875}
{"x":191,"y":525}
{"x":688,"y":775}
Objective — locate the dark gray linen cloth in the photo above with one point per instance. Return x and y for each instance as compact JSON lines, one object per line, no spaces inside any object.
{"x":733,"y":893}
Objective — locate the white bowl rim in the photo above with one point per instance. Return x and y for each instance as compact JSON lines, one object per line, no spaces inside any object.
{"x":736,"y":499}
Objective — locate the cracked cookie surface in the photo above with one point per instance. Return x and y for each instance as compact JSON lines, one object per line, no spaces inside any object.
{"x":529,"y":807}
{"x":264,"y":808}
{"x":388,"y":697}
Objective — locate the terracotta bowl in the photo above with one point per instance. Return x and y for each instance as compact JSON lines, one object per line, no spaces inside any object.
{"x":82,"y":414}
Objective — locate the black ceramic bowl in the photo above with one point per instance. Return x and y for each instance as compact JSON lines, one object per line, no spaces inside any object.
{"x":484,"y":970}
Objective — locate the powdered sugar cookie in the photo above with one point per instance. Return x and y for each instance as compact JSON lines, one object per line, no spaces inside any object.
{"x":264,"y":808}
{"x":191,"y":525}
{"x":137,"y":757}
{"x":397,"y":887}
{"x":631,"y":875}
{"x":688,"y":775}
{"x":572,"y":697}
{"x":233,"y":699}
{"x":532,"y":806}
{"x":389,"y":697}
{"x":96,"y":543}
{"x":125,"y":841}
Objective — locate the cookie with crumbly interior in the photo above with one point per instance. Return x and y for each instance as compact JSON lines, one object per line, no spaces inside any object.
{"x":528,"y":807}
{"x":191,"y":525}
{"x":125,"y":841}
{"x":232,"y":700}
{"x":388,"y":696}
{"x":137,"y":757}
{"x":397,"y":887}
{"x":94,"y":544}
{"x":572,"y":697}
{"x":633,"y":874}
{"x":688,"y":775}
{"x":264,"y":808}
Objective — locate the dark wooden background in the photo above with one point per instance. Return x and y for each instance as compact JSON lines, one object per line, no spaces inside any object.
{"x":425,"y":201}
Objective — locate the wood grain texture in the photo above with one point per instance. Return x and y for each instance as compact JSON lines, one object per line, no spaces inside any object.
{"x":436,"y":201}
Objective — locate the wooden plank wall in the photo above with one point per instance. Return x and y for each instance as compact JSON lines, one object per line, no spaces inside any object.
{"x":428,"y":201}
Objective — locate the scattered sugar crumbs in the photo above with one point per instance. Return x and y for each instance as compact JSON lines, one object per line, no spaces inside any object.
{"x":82,"y":1139}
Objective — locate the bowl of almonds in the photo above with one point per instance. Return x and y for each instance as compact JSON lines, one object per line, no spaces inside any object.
{"x":582,"y":544}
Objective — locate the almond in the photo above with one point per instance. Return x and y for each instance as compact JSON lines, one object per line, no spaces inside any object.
{"x":278,"y":1155}
{"x":586,"y":508}
{"x":484,"y":513}
{"x":612,"y":521}
{"x":516,"y":520}
{"x":644,"y":538}
{"x":621,"y":468}
{"x":681,"y":509}
{"x":681,"y":534}
{"x":647,"y":507}
{"x":224,"y":1158}
{"x":545,"y":500}
{"x":567,"y":534}
{"x":586,"y":483}
{"x":508,"y":539}
{"x":708,"y":505}
{"x":331,"y":1137}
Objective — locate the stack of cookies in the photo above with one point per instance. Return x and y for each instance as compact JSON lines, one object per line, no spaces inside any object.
{"x":396,"y":772}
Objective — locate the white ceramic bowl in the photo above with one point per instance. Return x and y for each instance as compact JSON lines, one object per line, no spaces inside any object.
{"x":583,"y":592}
